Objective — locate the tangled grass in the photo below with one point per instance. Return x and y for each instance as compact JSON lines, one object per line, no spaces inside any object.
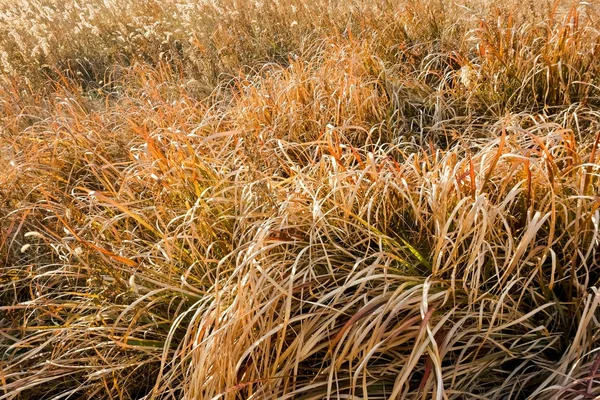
{"x":299,"y":199}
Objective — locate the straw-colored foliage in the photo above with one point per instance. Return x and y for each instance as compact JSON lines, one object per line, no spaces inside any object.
{"x":299,"y":199}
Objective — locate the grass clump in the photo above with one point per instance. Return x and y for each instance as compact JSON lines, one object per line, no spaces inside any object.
{"x":277,"y":200}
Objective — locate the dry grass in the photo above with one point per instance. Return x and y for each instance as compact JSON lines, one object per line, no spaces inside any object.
{"x":314,"y":199}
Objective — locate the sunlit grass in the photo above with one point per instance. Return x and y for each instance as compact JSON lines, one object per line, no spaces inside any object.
{"x":277,"y":200}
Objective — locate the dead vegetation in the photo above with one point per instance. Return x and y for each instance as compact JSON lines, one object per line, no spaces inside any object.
{"x":308,"y":200}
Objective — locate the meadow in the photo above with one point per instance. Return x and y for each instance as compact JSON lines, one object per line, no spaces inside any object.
{"x":299,"y":199}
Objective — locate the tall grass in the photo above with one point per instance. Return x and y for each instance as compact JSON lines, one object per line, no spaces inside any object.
{"x":277,"y":200}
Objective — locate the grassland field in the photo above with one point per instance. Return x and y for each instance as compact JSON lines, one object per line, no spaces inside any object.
{"x":299,"y":199}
